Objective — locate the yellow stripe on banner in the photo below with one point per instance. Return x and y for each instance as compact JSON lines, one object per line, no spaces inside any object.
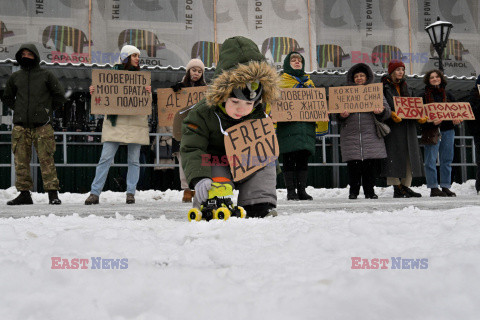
{"x":72,"y":38}
{"x":62,"y":49}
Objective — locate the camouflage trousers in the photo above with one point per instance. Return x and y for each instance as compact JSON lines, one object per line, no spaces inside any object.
{"x":44,"y":142}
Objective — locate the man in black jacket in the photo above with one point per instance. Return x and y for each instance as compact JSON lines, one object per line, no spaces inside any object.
{"x":32,"y":93}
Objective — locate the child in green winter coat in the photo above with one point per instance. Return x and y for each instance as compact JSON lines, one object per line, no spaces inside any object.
{"x":243,"y":83}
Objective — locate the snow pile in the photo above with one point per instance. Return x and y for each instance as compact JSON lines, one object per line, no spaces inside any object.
{"x":295,"y":266}
{"x":465,"y":189}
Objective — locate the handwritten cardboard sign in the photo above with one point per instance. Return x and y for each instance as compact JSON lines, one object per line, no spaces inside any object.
{"x":355,"y":98}
{"x":305,"y":104}
{"x":251,"y":145}
{"x":449,"y":111}
{"x":121,"y":92}
{"x":409,"y":107}
{"x":169,"y":102}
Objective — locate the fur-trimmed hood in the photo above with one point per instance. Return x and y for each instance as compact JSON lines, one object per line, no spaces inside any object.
{"x":221,"y":88}
{"x":359,"y":67}
{"x":241,"y":62}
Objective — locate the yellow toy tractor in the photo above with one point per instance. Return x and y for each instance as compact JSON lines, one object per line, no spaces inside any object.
{"x":219,"y":204}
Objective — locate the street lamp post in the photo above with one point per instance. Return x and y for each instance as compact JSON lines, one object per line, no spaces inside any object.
{"x":438,"y":33}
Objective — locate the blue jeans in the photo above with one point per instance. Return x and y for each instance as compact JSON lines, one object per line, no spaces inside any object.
{"x":444,"y":148}
{"x":108,"y":154}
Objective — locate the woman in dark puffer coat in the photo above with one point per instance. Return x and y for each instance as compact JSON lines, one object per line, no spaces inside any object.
{"x":359,"y":143}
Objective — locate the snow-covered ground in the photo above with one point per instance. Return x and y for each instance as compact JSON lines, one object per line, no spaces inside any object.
{"x":294,"y":266}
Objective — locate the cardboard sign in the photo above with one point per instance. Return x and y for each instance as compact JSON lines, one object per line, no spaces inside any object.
{"x":355,"y":98}
{"x":251,"y":145}
{"x":305,"y":104}
{"x":409,"y":107}
{"x":121,"y":92}
{"x":169,"y":102}
{"x":449,"y":111}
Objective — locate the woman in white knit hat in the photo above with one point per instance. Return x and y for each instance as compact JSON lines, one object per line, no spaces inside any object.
{"x":194,"y":77}
{"x":117,"y":129}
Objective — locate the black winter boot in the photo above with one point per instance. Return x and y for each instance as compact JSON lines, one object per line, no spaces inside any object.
{"x":23,"y":198}
{"x":410,"y":192}
{"x":399,"y":192}
{"x":435,"y":192}
{"x":53,"y":197}
{"x":260,"y":210}
{"x":448,"y":192}
{"x":301,"y":185}
{"x":290,"y":184}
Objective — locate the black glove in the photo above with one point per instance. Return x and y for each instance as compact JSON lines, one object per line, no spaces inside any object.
{"x":178,"y":86}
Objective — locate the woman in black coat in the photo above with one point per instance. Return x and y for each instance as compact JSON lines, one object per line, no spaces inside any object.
{"x":404,"y":159}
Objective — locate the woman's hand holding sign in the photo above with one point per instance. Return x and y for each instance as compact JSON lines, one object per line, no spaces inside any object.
{"x":378,"y":110}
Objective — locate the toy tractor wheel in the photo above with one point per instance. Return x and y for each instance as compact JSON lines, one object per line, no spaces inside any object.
{"x":221,"y":214}
{"x":194,"y":214}
{"x":242,"y":212}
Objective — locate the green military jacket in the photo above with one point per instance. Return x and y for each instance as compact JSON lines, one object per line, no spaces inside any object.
{"x":203,"y":140}
{"x":33,"y":93}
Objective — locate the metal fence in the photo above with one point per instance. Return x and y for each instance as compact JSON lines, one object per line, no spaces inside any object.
{"x":329,"y":140}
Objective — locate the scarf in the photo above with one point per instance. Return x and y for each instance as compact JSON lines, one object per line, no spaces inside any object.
{"x":289,"y":81}
{"x":431,"y":92}
{"x":402,"y":84}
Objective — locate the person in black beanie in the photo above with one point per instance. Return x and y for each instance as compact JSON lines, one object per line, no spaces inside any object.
{"x":475,"y":127}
